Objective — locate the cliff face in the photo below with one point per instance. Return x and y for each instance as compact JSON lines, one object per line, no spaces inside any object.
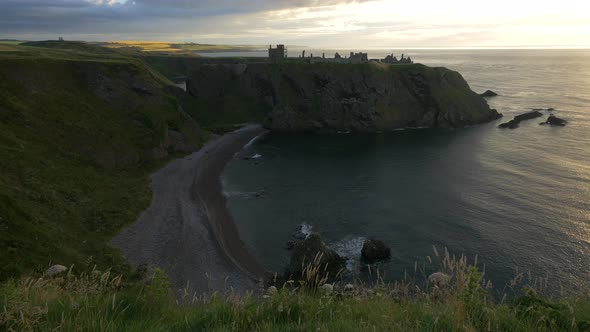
{"x":332,"y":97}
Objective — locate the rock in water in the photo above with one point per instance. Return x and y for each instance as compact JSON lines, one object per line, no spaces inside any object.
{"x":552,"y":120}
{"x":375,"y":250}
{"x":514,"y":123}
{"x":55,"y":270}
{"x":489,"y":93}
{"x":439,"y":279}
{"x":314,"y":252}
{"x":528,"y":116}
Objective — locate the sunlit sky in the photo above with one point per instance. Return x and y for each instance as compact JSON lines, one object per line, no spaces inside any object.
{"x":315,"y":23}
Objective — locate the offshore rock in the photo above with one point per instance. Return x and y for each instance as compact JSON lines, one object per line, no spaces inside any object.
{"x":375,"y":250}
{"x":528,"y":116}
{"x":367,"y":97}
{"x":489,"y":93}
{"x":514,"y":123}
{"x":313,"y":252}
{"x":552,"y":120}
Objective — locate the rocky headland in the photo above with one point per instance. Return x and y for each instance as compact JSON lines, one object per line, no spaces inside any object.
{"x":331,"y":97}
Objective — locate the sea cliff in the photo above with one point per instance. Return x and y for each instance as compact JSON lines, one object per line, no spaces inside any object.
{"x":296,"y":96}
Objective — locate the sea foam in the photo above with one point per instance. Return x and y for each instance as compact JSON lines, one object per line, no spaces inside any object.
{"x":350,"y":248}
{"x":306,"y":230}
{"x":251,"y":141}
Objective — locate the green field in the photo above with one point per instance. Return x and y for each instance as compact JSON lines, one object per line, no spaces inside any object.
{"x":174,"y":49}
{"x":137,"y":47}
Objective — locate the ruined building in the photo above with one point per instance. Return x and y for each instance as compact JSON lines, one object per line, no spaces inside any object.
{"x":277,"y":54}
{"x":358,"y":57}
{"x":391,"y":59}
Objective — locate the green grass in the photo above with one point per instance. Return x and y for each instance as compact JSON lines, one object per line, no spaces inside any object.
{"x":172,"y":49}
{"x":75,"y":142}
{"x":102,"y":301}
{"x":215,"y":48}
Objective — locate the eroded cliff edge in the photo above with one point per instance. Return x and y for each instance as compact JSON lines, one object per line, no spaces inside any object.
{"x":297,"y":96}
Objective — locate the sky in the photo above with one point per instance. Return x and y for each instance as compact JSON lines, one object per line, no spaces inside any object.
{"x":313,"y":23}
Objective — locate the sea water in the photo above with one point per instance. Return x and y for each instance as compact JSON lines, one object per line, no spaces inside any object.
{"x":519,"y":199}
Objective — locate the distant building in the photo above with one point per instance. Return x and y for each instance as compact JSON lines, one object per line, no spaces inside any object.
{"x":280,"y":52}
{"x":277,"y":54}
{"x":358,"y":57}
{"x":391,"y":59}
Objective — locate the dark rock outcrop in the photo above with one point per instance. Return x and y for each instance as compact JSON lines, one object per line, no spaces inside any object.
{"x":489,"y":93}
{"x":552,"y":120}
{"x":528,"y":116}
{"x":375,"y":250}
{"x":313,"y":252}
{"x":514,"y":123}
{"x":334,"y":97}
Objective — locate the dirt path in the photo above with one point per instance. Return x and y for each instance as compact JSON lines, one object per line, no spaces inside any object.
{"x":188,"y":231}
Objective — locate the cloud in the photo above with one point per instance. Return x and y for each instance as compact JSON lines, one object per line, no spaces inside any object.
{"x":327,"y":23}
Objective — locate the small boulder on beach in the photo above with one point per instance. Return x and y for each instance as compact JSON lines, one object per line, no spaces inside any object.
{"x":375,"y":250}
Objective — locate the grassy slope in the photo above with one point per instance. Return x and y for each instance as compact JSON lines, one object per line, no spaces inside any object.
{"x":228,"y":110}
{"x":100,"y":302}
{"x":73,"y":154}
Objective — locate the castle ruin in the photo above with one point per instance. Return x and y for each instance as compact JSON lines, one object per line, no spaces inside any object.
{"x":277,"y":54}
{"x":280,"y":53}
{"x":393,"y":60}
